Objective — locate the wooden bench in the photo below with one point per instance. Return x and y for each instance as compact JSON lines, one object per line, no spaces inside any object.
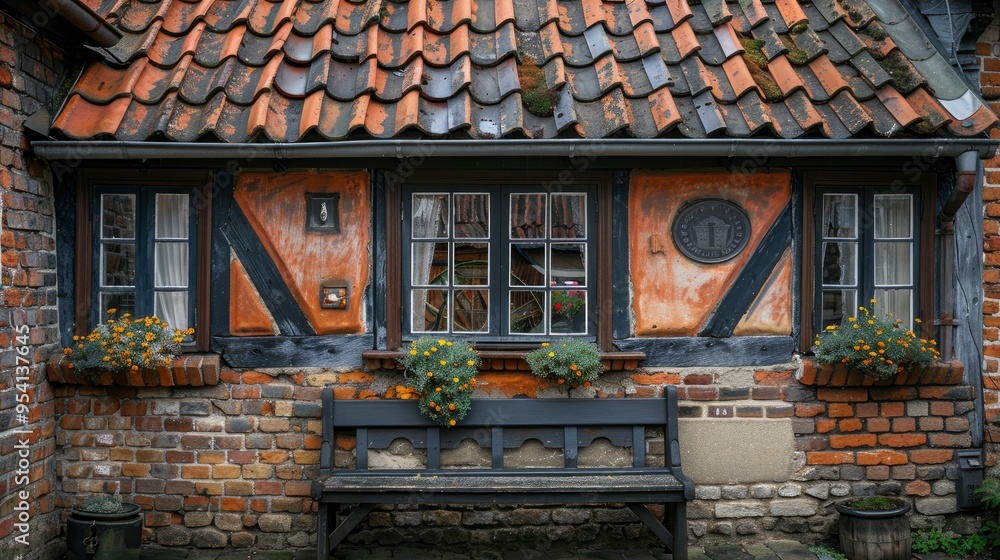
{"x":496,"y":425}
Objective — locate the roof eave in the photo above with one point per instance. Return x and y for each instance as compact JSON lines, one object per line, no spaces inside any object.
{"x":985,"y":148}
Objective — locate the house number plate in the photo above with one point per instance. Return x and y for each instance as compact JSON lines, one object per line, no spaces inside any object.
{"x":711,"y":230}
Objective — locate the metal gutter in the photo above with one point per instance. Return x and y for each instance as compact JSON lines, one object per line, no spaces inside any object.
{"x":985,"y":148}
{"x":84,"y":19}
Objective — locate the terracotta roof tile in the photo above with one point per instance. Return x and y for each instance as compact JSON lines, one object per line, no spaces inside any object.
{"x":286,"y":70}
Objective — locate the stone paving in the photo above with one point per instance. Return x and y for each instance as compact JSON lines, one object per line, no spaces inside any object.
{"x":772,"y":550}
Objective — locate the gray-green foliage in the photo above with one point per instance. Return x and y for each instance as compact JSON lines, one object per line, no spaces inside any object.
{"x":103,"y":503}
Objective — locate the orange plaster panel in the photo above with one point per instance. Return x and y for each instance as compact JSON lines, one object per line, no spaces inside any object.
{"x":673,"y":295}
{"x":248,"y":315}
{"x":771,"y":312}
{"x":307,"y":260}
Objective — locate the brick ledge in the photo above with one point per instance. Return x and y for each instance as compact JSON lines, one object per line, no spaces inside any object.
{"x":192,"y":370}
{"x":810,"y":372}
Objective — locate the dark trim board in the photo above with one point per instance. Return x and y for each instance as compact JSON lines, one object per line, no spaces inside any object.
{"x":620,"y":281}
{"x":65,"y":213}
{"x":706,"y":351}
{"x":292,"y":351}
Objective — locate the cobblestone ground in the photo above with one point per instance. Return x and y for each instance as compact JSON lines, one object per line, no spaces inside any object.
{"x":774,"y":550}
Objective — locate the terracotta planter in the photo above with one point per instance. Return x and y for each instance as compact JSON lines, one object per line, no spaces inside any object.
{"x":188,"y":370}
{"x":875,"y":535}
{"x":841,"y":375}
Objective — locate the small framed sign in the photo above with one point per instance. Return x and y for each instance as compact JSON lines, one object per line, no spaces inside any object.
{"x":323,"y":212}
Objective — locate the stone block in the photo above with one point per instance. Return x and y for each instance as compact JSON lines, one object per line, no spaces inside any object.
{"x":274,"y":523}
{"x":743,"y":450}
{"x":936,"y":506}
{"x":802,"y":507}
{"x":740,"y":509}
{"x":208,"y":538}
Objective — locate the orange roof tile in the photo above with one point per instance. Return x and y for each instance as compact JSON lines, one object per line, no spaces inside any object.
{"x":292,"y":70}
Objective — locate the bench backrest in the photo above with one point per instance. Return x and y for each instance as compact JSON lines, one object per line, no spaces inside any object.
{"x":499,"y":424}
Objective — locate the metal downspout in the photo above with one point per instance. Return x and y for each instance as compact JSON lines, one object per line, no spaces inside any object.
{"x":965,"y":165}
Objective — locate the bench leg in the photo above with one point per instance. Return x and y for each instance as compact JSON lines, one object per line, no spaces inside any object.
{"x":348,"y":524}
{"x":322,"y":533}
{"x":676,"y":514}
{"x":654,"y":525}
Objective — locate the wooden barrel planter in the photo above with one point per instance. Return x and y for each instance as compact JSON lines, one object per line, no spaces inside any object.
{"x":104,"y":536}
{"x":875,"y":535}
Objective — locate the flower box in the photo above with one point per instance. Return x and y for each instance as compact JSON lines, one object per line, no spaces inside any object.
{"x":812,"y":373}
{"x":187,"y":370}
{"x":506,"y":360}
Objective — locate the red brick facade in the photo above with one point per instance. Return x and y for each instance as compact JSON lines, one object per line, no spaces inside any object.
{"x":29,"y":69}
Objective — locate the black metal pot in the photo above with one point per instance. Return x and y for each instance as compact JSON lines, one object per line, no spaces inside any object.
{"x":104,"y":536}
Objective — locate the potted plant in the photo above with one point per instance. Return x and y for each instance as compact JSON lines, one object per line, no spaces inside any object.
{"x":104,"y":527}
{"x":566,"y":304}
{"x":878,"y":347}
{"x":566,"y":360}
{"x":875,"y":528}
{"x":441,"y":374}
{"x":125,"y":343}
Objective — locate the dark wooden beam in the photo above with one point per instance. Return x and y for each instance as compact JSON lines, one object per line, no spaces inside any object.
{"x":758,"y":268}
{"x":292,"y":351}
{"x":707,"y":351}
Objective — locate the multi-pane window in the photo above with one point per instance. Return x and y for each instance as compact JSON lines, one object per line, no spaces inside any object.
{"x":868,"y":249}
{"x":143,"y":255}
{"x":503,"y":263}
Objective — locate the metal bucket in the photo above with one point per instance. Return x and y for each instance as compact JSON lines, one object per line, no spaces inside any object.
{"x":104,"y":536}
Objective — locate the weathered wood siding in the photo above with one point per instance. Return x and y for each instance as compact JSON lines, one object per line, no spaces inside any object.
{"x":275,"y":206}
{"x":676,"y":296}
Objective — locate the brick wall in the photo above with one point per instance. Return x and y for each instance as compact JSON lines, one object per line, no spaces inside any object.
{"x":988,"y":51}
{"x":29,"y":68}
{"x":231,"y":465}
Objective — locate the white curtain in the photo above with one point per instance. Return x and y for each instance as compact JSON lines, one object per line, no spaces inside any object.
{"x":171,"y":260}
{"x":893,"y":255}
{"x":428,"y":220}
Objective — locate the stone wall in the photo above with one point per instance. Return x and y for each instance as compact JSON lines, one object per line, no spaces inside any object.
{"x":231,"y":465}
{"x":988,"y":51}
{"x":29,"y":519}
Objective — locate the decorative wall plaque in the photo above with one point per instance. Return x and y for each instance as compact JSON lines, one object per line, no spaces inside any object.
{"x":711,"y":230}
{"x":323,"y":212}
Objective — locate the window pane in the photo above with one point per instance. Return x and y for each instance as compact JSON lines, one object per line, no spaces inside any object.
{"x":118,"y":262}
{"x":527,"y":264}
{"x":897,"y":302}
{"x":171,"y":216}
{"x":430,"y":216}
{"x":569,"y":311}
{"x":171,"y":265}
{"x":429,"y":311}
{"x":840,"y":264}
{"x":892,"y":263}
{"x":527,"y":313}
{"x":118,"y":216}
{"x":121,"y":302}
{"x":569,"y":216}
{"x":840,"y":215}
{"x":471,"y":311}
{"x":430,"y":263}
{"x":838,"y":305}
{"x":893,"y":216}
{"x":527,"y":216}
{"x":172,"y":307}
{"x":568,"y":264}
{"x":472,"y":215}
{"x":472,"y":264}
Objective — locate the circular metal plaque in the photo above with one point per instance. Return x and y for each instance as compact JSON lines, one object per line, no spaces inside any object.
{"x":711,"y":230}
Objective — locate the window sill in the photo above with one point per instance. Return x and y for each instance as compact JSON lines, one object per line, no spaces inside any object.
{"x":504,"y":360}
{"x":840,"y":375}
{"x":189,"y":370}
